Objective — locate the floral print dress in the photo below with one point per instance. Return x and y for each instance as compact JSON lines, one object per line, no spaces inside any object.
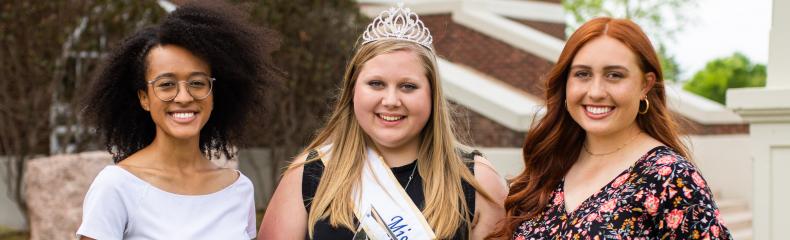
{"x":661,"y":196}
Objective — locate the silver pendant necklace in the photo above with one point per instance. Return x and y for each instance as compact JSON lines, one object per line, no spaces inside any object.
{"x":411,"y":176}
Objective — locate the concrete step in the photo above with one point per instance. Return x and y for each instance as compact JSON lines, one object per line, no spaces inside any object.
{"x":732,"y":205}
{"x":742,"y":234}
{"x":736,"y":221}
{"x":736,"y":214}
{"x":737,"y":217}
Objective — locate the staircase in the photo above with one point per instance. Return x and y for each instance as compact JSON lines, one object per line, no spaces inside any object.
{"x":737,"y":217}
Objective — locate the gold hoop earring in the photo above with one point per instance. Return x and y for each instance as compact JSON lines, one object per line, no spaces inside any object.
{"x":647,"y":106}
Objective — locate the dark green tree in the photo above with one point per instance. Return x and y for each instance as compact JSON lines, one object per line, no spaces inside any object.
{"x":735,"y":71}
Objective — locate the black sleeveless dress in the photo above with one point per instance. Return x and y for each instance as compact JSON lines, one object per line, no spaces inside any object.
{"x":323,"y":230}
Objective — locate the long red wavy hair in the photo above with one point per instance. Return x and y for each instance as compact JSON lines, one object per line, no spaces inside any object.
{"x":554,"y":142}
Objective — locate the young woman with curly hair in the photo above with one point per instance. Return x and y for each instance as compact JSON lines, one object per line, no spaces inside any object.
{"x":167,"y":100}
{"x":606,"y":161}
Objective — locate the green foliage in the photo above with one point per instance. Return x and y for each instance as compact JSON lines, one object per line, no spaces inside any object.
{"x":670,"y":67}
{"x":662,"y":18}
{"x":736,"y":71}
{"x":13,"y":234}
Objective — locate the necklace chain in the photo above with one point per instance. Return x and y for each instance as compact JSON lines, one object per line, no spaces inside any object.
{"x":411,"y":176}
{"x":612,"y":152}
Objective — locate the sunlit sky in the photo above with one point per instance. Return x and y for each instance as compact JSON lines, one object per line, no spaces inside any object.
{"x":721,"y":28}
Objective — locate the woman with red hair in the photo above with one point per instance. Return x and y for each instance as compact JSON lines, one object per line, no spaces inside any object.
{"x":606,"y":160}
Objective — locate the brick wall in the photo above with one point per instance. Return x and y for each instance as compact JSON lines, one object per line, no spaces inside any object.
{"x":689,"y":126}
{"x":495,"y":58}
{"x":549,"y":1}
{"x":554,"y":29}
{"x":476,"y":130}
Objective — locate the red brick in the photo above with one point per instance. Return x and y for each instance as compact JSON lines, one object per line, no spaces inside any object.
{"x":556,"y":30}
{"x":476,"y":130}
{"x":495,"y":58}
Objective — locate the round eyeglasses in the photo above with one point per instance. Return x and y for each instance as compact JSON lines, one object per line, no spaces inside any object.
{"x":167,"y":88}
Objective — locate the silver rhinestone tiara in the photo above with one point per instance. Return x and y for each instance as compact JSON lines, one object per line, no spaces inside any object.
{"x":398,"y":23}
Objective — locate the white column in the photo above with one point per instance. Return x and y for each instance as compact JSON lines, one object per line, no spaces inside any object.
{"x":768,"y":112}
{"x":779,"y":45}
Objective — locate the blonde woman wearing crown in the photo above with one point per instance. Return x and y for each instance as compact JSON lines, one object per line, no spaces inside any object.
{"x":387,"y":164}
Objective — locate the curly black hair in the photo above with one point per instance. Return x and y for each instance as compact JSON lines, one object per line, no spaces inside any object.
{"x":238,"y":53}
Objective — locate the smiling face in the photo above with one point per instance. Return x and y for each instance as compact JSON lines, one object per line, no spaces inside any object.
{"x":392,"y":98}
{"x":184,"y":116}
{"x":604,"y":87}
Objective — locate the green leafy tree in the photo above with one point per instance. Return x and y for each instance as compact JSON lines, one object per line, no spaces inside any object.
{"x":736,"y":71}
{"x":669,"y":65}
{"x":661,"y":20}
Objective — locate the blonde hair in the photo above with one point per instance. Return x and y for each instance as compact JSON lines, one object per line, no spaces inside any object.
{"x":440,"y":165}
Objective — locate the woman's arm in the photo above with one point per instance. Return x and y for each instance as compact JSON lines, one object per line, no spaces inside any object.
{"x":286,"y":217}
{"x":488,"y":215}
{"x":685,"y":207}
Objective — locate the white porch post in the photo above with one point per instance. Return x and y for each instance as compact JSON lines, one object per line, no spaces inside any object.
{"x":768,"y":112}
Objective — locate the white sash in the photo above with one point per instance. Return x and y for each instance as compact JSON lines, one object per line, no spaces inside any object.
{"x":380,"y":190}
{"x":396,"y":210}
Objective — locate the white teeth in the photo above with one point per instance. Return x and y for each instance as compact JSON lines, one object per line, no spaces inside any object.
{"x":390,"y":118}
{"x":183,"y":115}
{"x":598,"y":110}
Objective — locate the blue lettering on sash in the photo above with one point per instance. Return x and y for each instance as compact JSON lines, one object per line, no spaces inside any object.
{"x":399,"y":229}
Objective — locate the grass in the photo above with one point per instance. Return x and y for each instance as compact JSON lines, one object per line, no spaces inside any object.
{"x":13,"y":234}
